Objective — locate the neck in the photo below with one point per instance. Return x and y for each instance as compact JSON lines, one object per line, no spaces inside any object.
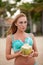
{"x":20,"y":32}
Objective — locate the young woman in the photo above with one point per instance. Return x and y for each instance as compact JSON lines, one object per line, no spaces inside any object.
{"x":17,"y":38}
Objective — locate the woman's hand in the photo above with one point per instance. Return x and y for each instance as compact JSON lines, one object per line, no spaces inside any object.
{"x":23,"y":55}
{"x":18,"y":53}
{"x":31,"y":55}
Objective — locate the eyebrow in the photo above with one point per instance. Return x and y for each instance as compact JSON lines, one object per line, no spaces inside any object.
{"x":22,"y":21}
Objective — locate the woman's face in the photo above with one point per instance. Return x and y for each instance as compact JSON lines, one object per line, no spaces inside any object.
{"x":21,"y":23}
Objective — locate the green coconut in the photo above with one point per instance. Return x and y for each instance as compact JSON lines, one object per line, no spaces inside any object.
{"x":26,"y":49}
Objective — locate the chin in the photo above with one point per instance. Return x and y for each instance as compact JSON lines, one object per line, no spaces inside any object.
{"x":22,"y":30}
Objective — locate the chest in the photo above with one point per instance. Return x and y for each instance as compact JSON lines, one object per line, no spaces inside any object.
{"x":21,"y":37}
{"x":18,"y":42}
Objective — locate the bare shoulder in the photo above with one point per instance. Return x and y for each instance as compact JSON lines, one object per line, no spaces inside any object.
{"x":8,"y":37}
{"x":30,"y":34}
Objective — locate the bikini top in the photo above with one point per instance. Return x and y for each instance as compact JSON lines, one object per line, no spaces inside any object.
{"x":16,"y":44}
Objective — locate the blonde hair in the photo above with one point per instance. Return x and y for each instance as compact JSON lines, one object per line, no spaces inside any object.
{"x":13,"y":27}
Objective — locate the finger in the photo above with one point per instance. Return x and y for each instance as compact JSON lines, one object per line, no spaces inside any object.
{"x":31,"y":54}
{"x":32,"y":50}
{"x":24,"y":55}
{"x":20,"y":51}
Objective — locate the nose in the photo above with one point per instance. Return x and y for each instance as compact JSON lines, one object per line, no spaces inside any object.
{"x":23,"y":25}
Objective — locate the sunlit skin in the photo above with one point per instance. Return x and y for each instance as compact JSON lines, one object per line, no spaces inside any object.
{"x":21,"y":24}
{"x":21,"y":34}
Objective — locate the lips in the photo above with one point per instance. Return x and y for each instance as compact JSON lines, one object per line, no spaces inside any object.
{"x":22,"y":28}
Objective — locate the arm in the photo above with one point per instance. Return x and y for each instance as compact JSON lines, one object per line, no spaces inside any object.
{"x":8,"y":49}
{"x":34,"y":47}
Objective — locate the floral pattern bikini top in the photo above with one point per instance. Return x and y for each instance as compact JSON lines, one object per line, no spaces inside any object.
{"x":16,"y":44}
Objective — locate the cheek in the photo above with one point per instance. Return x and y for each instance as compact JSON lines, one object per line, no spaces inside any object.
{"x":19,"y":26}
{"x":26,"y":26}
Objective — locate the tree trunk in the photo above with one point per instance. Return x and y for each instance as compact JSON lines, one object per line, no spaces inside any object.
{"x":30,"y":22}
{"x":42,"y":22}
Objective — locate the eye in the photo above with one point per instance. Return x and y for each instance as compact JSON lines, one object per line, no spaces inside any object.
{"x":21,"y":22}
{"x":25,"y":21}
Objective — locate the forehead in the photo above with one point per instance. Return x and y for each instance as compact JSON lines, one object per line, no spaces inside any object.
{"x":22,"y":19}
